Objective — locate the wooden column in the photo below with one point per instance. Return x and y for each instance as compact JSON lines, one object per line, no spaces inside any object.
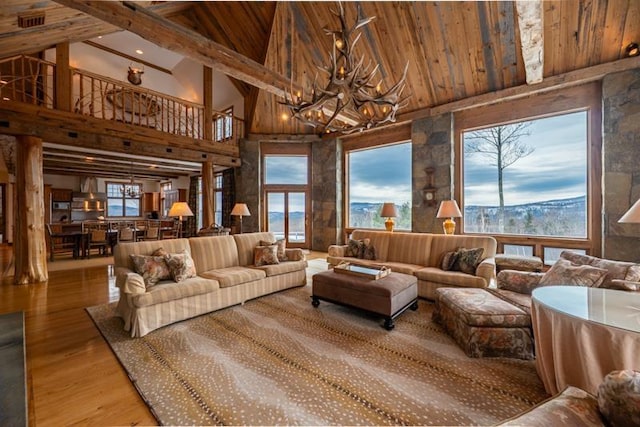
{"x":63,"y":77}
{"x":30,"y":250}
{"x":208,"y":214}
{"x":207,"y":97}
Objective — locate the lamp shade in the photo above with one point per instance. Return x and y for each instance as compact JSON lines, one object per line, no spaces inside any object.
{"x":389,"y":210}
{"x":180,"y":209}
{"x":449,"y":209}
{"x":633,"y":214}
{"x":240,"y":209}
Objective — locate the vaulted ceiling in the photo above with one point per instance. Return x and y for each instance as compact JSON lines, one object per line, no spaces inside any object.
{"x":455,"y":50}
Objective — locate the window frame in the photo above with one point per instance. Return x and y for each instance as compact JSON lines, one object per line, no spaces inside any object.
{"x":360,"y":147}
{"x":586,"y":97}
{"x":123,"y":197}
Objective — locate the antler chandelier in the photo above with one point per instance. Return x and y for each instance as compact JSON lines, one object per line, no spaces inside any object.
{"x":350,"y":101}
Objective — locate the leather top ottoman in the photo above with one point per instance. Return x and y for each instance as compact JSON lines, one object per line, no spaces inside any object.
{"x":388,"y":296}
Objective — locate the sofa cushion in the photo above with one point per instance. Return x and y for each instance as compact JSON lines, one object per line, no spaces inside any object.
{"x":572,"y":406}
{"x":213,"y":252}
{"x":265,"y":255}
{"x":522,"y":301}
{"x":181,"y":266}
{"x":564,"y":272}
{"x":409,"y":248}
{"x":283,"y":268}
{"x":615,"y":269}
{"x":245,"y":244}
{"x":232,"y":276}
{"x":400,"y":267}
{"x":282,"y":247}
{"x":523,"y":282}
{"x":151,"y":268}
{"x":619,"y":398}
{"x":467,"y":260}
{"x":477,"y":307}
{"x":169,"y":291}
{"x":453,"y":278}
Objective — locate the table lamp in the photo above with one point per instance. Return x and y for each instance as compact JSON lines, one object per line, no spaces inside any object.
{"x":240,"y":209}
{"x":449,"y":209}
{"x":389,"y":211}
{"x":180,"y":209}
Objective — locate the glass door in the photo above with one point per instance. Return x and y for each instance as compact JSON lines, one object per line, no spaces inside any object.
{"x":287,"y":216}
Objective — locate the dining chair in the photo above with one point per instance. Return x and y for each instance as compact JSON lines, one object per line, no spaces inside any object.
{"x":126,"y":234}
{"x":151,"y":233}
{"x":59,"y":244}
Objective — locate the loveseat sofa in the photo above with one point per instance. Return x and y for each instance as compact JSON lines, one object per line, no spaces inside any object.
{"x":421,"y":255}
{"x":225,"y":275}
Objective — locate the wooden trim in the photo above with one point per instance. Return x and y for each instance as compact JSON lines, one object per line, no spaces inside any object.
{"x":383,"y":136}
{"x":63,"y":78}
{"x":129,"y":57}
{"x":586,"y":97}
{"x":207,"y":96}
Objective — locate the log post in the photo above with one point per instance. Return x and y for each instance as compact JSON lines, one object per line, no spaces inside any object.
{"x":208,"y":216}
{"x":30,"y":249}
{"x":63,"y":77}
{"x":207,"y":96}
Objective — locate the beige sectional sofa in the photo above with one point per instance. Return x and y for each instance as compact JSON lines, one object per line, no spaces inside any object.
{"x":225,"y":276}
{"x":421,"y":254}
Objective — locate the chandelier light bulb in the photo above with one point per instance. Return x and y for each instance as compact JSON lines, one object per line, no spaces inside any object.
{"x":339,"y":43}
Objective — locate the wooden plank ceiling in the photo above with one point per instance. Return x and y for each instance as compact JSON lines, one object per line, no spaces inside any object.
{"x":455,"y":50}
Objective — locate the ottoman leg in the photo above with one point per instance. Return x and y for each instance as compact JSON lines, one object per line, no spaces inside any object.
{"x":315,"y":301}
{"x":388,"y":324}
{"x":414,"y":306}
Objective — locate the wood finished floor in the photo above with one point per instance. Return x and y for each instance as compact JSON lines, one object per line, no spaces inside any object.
{"x":73,"y":378}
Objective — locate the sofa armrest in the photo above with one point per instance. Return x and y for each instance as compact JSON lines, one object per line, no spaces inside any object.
{"x":487,"y":269}
{"x":624,"y":285}
{"x":129,"y":282}
{"x":337,"y":250}
{"x":523,"y":282}
{"x":295,"y":254}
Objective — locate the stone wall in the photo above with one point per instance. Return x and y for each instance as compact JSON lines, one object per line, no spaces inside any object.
{"x":432,"y":148}
{"x":326,"y":193}
{"x":621,"y":157}
{"x":248,"y":185}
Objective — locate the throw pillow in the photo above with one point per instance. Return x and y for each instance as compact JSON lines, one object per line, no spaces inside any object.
{"x":159,"y":252}
{"x":564,"y":272}
{"x":151,"y":268}
{"x":282,"y":246}
{"x":181,"y":266}
{"x":467,"y":260}
{"x":369,"y":252}
{"x":619,"y":398}
{"x":448,"y":260}
{"x":355,"y":248}
{"x":265,"y":255}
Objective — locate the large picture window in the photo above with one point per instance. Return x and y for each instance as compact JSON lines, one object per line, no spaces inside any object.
{"x":375,"y":176}
{"x":120,"y":204}
{"x":527,"y":178}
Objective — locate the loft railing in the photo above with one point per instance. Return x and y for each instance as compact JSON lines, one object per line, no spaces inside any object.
{"x":28,"y":80}
{"x":32,"y":80}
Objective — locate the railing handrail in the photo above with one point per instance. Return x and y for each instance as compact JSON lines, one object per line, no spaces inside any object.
{"x":31,"y":58}
{"x":135,"y":88}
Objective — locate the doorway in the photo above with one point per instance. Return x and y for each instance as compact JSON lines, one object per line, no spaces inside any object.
{"x":286,"y":192}
{"x":287,"y":217}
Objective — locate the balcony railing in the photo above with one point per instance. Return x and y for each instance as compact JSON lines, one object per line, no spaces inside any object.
{"x":32,"y":80}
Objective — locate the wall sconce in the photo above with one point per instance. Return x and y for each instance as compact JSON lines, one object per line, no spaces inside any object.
{"x":632,"y":50}
{"x":429,"y":192}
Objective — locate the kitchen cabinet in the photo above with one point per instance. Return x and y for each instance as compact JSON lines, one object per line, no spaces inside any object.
{"x":61,"y":195}
{"x":151,"y":202}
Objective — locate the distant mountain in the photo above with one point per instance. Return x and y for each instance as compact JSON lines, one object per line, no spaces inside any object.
{"x":561,"y":217}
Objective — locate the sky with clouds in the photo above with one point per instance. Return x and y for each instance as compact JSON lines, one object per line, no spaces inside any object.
{"x":556,"y":169}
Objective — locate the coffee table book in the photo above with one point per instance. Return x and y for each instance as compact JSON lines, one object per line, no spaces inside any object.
{"x":367,"y":271}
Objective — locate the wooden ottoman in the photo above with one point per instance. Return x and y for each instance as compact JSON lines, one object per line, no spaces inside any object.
{"x":483,"y":324}
{"x":389,"y":296}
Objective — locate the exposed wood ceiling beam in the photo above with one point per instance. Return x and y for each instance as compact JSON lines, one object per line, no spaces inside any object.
{"x":531,"y":38}
{"x":174,"y":37}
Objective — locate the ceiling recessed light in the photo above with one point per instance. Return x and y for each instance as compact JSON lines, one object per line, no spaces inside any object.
{"x":99,"y":37}
{"x":632,"y":50}
{"x":89,"y":159}
{"x":139,"y":51}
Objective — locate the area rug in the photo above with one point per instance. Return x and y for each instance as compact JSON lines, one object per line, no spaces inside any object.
{"x":278,"y":360}
{"x":13,"y":403}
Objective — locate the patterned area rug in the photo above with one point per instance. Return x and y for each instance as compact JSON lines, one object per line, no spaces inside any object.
{"x":278,"y":360}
